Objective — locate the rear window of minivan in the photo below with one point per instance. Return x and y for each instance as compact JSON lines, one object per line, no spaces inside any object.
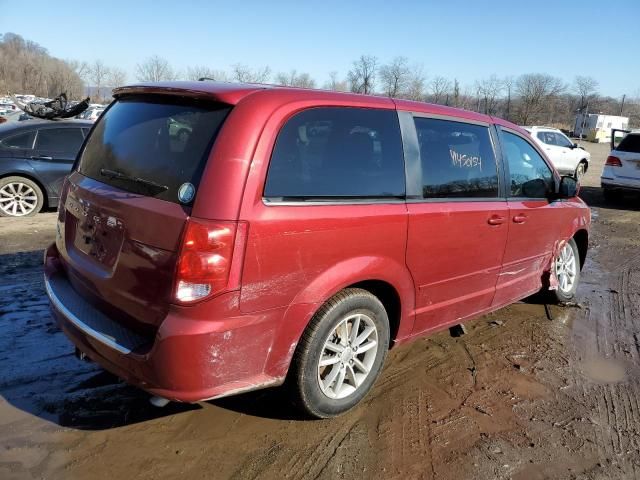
{"x":337,"y":152}
{"x":153,"y":145}
{"x":630,"y":143}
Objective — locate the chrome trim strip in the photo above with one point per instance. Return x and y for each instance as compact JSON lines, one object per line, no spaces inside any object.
{"x":80,"y":324}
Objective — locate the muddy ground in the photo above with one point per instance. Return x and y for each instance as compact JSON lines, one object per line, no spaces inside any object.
{"x":522,"y":395}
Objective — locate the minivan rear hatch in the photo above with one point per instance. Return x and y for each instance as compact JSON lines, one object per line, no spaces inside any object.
{"x":126,"y":203}
{"x":628,"y":151}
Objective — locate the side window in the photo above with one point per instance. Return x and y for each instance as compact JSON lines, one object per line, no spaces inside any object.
{"x":547,"y":137}
{"x":21,"y":140}
{"x":338,"y":152}
{"x":530,"y":176}
{"x":66,"y":140}
{"x":457,"y":159}
{"x":563,"y":141}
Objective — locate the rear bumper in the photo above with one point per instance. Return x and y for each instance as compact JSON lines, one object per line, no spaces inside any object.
{"x":611,"y":178}
{"x":205,"y":351}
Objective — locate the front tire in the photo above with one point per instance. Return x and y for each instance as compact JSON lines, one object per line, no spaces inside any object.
{"x":581,"y":169}
{"x":340,"y":354}
{"x":19,"y":197}
{"x":567,"y":270}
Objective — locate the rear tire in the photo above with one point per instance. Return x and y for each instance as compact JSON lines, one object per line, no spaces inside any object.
{"x":19,"y":197}
{"x":567,"y":269}
{"x":340,"y":354}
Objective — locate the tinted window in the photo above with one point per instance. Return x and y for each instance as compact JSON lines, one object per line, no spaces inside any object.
{"x":457,"y":159}
{"x":59,"y":139}
{"x":21,"y":140}
{"x":547,"y":137}
{"x":529,"y":174}
{"x":338,"y":152}
{"x":136,"y":139}
{"x":563,"y":141}
{"x":630,"y":143}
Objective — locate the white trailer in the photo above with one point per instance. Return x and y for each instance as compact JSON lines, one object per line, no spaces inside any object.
{"x":596,"y":127}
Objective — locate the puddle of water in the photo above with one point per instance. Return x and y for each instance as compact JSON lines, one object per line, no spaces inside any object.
{"x":604,"y":370}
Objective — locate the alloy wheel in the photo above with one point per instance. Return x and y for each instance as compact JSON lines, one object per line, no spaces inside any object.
{"x":566,"y":268}
{"x":17,"y":199}
{"x":348,"y":356}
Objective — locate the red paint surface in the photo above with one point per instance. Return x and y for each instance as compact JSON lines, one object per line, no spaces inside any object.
{"x":447,"y":261}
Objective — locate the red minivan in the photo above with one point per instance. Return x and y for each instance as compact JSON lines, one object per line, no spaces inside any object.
{"x":219,"y":238}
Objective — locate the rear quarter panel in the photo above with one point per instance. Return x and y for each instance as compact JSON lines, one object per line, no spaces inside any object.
{"x":300,"y":255}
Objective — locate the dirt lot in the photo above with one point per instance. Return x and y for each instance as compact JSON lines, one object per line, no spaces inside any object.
{"x":524,"y":395}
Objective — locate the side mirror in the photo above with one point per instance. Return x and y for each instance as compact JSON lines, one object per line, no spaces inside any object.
{"x":568,"y":187}
{"x":575,"y":145}
{"x":536,"y":188}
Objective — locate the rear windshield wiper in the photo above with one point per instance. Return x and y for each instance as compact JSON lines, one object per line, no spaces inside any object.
{"x":121,"y":176}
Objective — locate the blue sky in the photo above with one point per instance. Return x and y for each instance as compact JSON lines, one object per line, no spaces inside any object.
{"x":468,"y":40}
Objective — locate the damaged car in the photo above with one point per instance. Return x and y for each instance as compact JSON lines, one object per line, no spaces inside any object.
{"x":294,"y":236}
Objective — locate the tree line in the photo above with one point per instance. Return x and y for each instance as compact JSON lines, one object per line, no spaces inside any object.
{"x":526,"y":99}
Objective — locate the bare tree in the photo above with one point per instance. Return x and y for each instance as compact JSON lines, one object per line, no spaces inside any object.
{"x":395,"y":77}
{"x":586,"y":88}
{"x":244,"y":74}
{"x":362,"y":75}
{"x":116,"y":77}
{"x":198,"y":72}
{"x":439,"y":88}
{"x":98,"y":73}
{"x":26,"y":67}
{"x":416,"y":86}
{"x":294,"y":79}
{"x":489,"y":89}
{"x":155,"y":69}
{"x":507,"y":83}
{"x":335,"y":84}
{"x":534,"y":90}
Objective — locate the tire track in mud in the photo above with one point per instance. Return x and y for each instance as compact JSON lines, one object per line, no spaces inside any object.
{"x":615,"y":392}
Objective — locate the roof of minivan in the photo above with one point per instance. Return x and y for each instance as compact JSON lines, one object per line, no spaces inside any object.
{"x":233,"y":93}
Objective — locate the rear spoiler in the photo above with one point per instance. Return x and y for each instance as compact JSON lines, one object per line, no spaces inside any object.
{"x":228,"y":93}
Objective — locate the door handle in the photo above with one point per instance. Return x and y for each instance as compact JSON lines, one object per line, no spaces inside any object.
{"x":495,"y":220}
{"x":41,"y":157}
{"x":519,"y":218}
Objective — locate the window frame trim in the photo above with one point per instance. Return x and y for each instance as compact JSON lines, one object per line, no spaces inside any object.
{"x":507,"y":173}
{"x":416,"y":195}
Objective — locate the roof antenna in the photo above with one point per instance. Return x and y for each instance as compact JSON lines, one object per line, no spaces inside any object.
{"x":202,"y":79}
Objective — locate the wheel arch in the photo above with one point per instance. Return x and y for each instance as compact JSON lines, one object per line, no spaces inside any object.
{"x":387,"y":279}
{"x":581,"y":237}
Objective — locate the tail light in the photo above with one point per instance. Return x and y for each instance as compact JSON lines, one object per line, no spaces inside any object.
{"x":613,"y":161}
{"x":210,"y":260}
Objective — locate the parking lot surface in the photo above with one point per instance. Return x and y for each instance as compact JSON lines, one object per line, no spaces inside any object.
{"x":528,"y":393}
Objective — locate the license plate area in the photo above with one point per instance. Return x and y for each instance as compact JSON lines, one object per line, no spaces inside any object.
{"x":96,"y":234}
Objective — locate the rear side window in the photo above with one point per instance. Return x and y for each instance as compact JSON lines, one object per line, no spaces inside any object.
{"x":338,"y":152}
{"x":21,"y":140}
{"x":630,"y":143}
{"x":59,"y":139}
{"x":136,"y":146}
{"x":457,"y":159}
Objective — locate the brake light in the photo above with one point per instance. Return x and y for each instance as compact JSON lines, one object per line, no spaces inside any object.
{"x":613,"y":161}
{"x":210,"y":260}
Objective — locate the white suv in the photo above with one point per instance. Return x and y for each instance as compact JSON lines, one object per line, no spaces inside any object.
{"x":622,"y":169}
{"x":568,"y":157}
